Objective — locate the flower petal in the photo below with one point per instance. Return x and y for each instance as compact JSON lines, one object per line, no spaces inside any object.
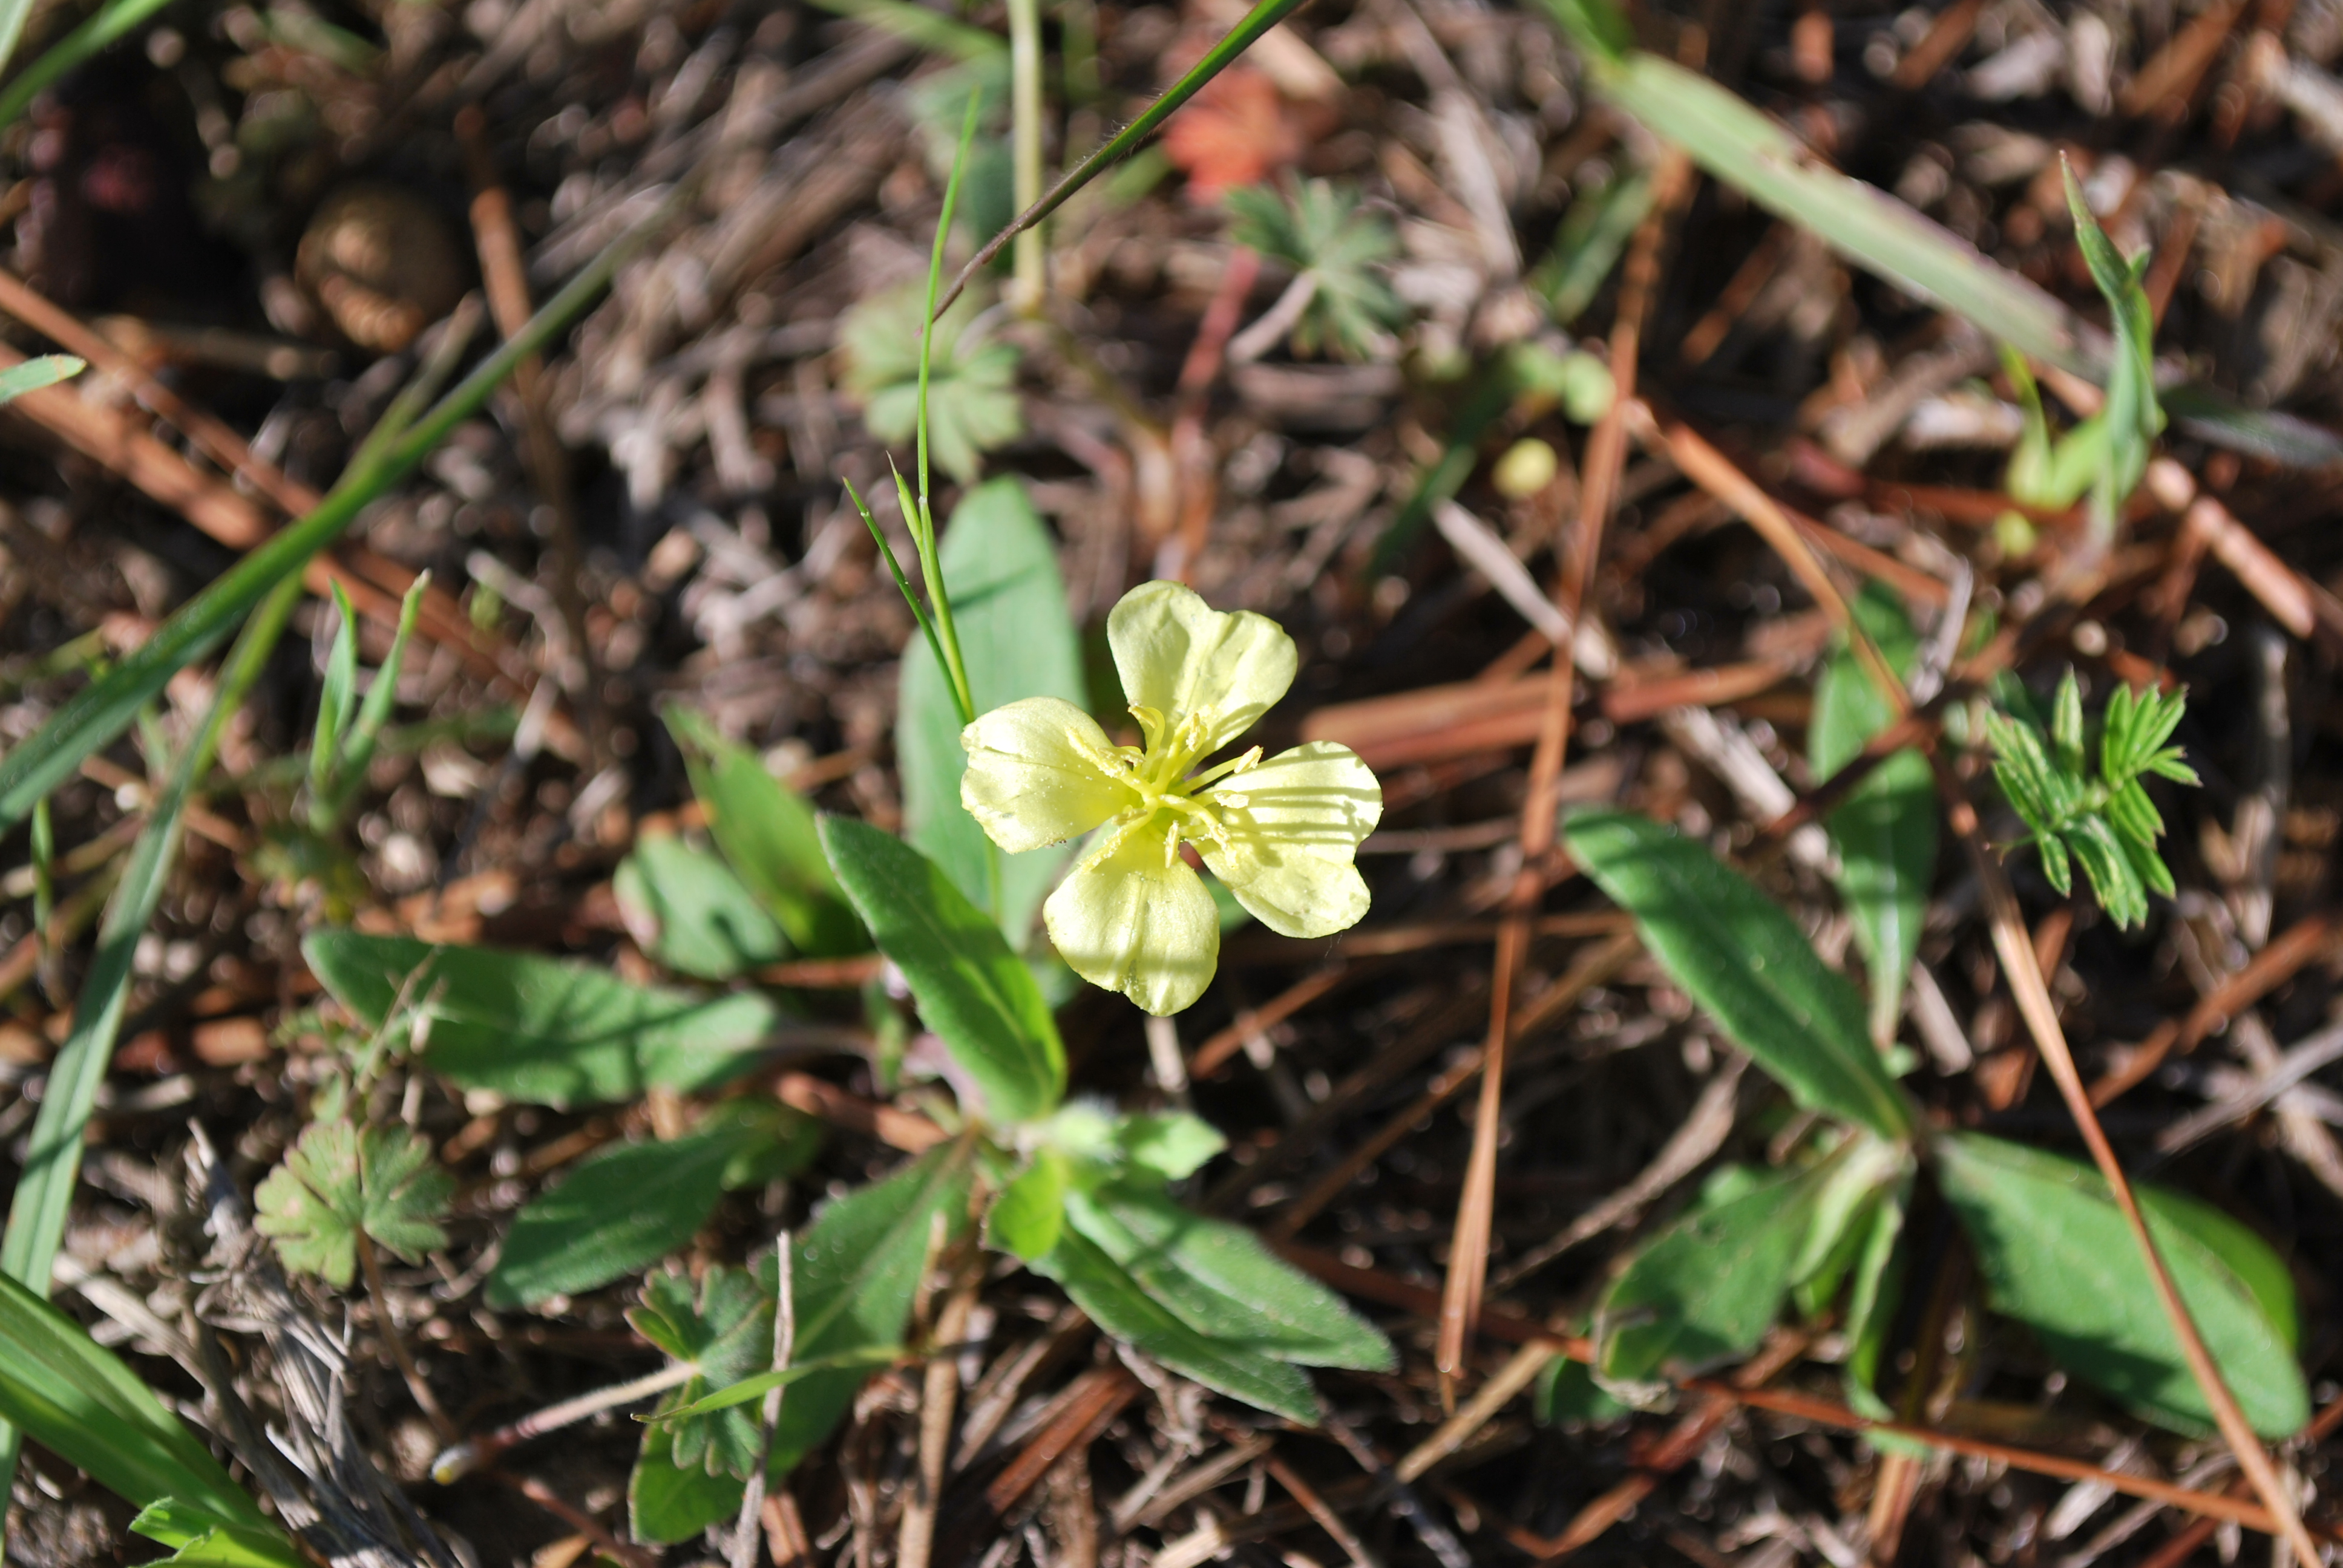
{"x":1035,"y":774}
{"x":1131,"y":923}
{"x":1288,"y":853}
{"x":1181,"y":657}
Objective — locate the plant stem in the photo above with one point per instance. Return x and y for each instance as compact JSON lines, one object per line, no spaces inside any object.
{"x":425,"y":1399}
{"x":462,"y":1459}
{"x":1025,"y":119}
{"x":923,"y":523}
{"x":1265,"y":16}
{"x":769,"y":1415}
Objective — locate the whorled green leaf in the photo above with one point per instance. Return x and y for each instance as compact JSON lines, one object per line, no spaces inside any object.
{"x":340,"y":1182}
{"x":766,"y":830}
{"x":977,"y":995}
{"x":1746,"y":963}
{"x":1886,"y":829}
{"x":629,"y":1205}
{"x":2057,"y":1255}
{"x":540,"y":1030}
{"x":1017,"y":640}
{"x":853,"y":1276}
{"x":972,"y":402}
{"x":692,"y":914}
{"x":76,"y":1399}
{"x":1123,"y":1308}
{"x":1321,"y":230}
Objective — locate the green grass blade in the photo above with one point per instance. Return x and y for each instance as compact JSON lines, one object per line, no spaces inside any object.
{"x":36,"y":1216}
{"x":110,"y":24}
{"x":35,"y":373}
{"x":935,"y":34}
{"x":938,"y":594}
{"x":357,"y":749}
{"x":1753,"y":152}
{"x":1265,"y":16}
{"x":102,"y":711}
{"x":1744,"y":147}
{"x":82,"y":1403}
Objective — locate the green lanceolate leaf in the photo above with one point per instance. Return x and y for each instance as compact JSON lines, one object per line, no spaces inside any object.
{"x":1861,"y":1172}
{"x":1171,"y":1145}
{"x":77,"y":1399}
{"x":1017,"y":640}
{"x":1027,"y":1218}
{"x":1877,"y":1281}
{"x":340,"y":1182}
{"x":337,"y":697}
{"x":690,"y":912}
{"x":1123,"y":1308}
{"x":1744,"y":961}
{"x":766,"y":830}
{"x":1706,"y":1289}
{"x":538,"y":1029}
{"x":2130,"y":415}
{"x":977,"y":995}
{"x":2057,"y":1255}
{"x":1886,"y":829}
{"x":857,"y":1272}
{"x":628,"y":1206}
{"x":1219,"y":1280}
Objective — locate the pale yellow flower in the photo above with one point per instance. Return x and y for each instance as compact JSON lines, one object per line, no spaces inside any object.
{"x":1132,"y":915}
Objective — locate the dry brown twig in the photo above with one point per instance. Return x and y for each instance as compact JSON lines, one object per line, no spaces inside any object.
{"x":1606,"y":453}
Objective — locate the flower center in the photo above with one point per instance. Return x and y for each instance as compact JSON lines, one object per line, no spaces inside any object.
{"x":1168,"y":804}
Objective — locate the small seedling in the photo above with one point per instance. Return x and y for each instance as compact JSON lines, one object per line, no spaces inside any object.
{"x":1338,"y":302}
{"x":2103,"y":818}
{"x":340,"y":1183}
